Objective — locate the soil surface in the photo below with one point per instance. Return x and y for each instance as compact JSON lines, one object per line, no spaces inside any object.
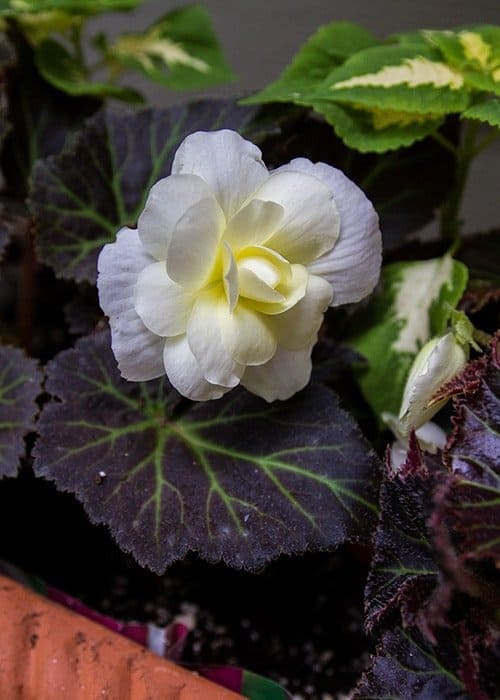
{"x":299,"y":621}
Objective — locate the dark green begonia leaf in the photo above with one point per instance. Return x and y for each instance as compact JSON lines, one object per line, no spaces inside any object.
{"x":20,"y":384}
{"x":180,"y":50}
{"x":100,"y":182}
{"x":326,"y":49}
{"x":406,"y":666}
{"x":236,"y":479}
{"x":64,"y":72}
{"x":43,"y":119}
{"x":14,"y":220}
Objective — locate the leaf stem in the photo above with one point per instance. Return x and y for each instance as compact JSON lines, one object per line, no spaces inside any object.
{"x":451,"y":223}
{"x":27,"y":285}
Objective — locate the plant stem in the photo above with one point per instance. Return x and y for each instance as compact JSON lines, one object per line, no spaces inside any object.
{"x":451,"y":224}
{"x":27,"y":284}
{"x":76,"y":40}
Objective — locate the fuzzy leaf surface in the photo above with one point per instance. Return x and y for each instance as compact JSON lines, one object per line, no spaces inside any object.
{"x":470,"y":506}
{"x":20,"y":384}
{"x":405,"y":666}
{"x":237,"y":479}
{"x":403,"y":568}
{"x":101,"y":181}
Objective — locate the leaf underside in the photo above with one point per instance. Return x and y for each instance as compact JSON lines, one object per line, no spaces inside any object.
{"x":237,"y":479}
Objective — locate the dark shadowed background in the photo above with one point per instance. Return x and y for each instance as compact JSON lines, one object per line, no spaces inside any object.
{"x":261,"y":36}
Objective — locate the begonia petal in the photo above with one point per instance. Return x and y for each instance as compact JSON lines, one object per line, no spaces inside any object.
{"x":246,"y":335}
{"x":138,"y":351}
{"x":298,"y":326}
{"x":310,"y":223}
{"x":205,"y":340}
{"x":353,"y":265}
{"x":231,"y":166}
{"x":254,"y":223}
{"x":193,"y":246}
{"x":168,"y":200}
{"x":285,"y":374}
{"x":163,"y":305}
{"x":185,"y":373}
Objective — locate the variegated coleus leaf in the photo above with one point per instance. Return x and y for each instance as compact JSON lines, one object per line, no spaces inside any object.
{"x":487,"y":112}
{"x":326,"y":49}
{"x":180,"y":51}
{"x":18,"y":8}
{"x":412,"y":305}
{"x":474,"y":52}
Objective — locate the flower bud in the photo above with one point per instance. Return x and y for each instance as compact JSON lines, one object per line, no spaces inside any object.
{"x":437,"y":363}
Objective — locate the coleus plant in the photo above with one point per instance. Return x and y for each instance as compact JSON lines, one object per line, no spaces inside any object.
{"x":238,"y":479}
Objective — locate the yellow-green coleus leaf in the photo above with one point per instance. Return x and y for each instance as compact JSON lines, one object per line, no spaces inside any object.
{"x":180,"y":50}
{"x":406,"y":79}
{"x":488,"y":112}
{"x":16,"y":8}
{"x":474,"y":52}
{"x":413,"y":304}
{"x":326,"y":49}
{"x":375,"y":130}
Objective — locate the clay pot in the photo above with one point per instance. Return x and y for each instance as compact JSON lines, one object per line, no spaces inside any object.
{"x":48,"y":652}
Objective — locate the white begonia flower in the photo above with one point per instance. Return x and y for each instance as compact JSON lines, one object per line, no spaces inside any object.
{"x":228,"y":275}
{"x":438,"y":361}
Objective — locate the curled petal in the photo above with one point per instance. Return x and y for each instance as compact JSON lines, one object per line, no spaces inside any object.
{"x":137,"y":350}
{"x":286,"y":373}
{"x":163,"y":305}
{"x":193,"y":246}
{"x":292,"y":291}
{"x":231,"y":166}
{"x":168,"y":200}
{"x":254,"y":223}
{"x":310,"y":223}
{"x":206,"y":343}
{"x":246,"y":335}
{"x":353,"y":265}
{"x":299,"y":326}
{"x":185,"y":373}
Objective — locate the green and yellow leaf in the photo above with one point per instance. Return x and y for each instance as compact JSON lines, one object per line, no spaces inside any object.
{"x":180,"y":51}
{"x":414,"y":304}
